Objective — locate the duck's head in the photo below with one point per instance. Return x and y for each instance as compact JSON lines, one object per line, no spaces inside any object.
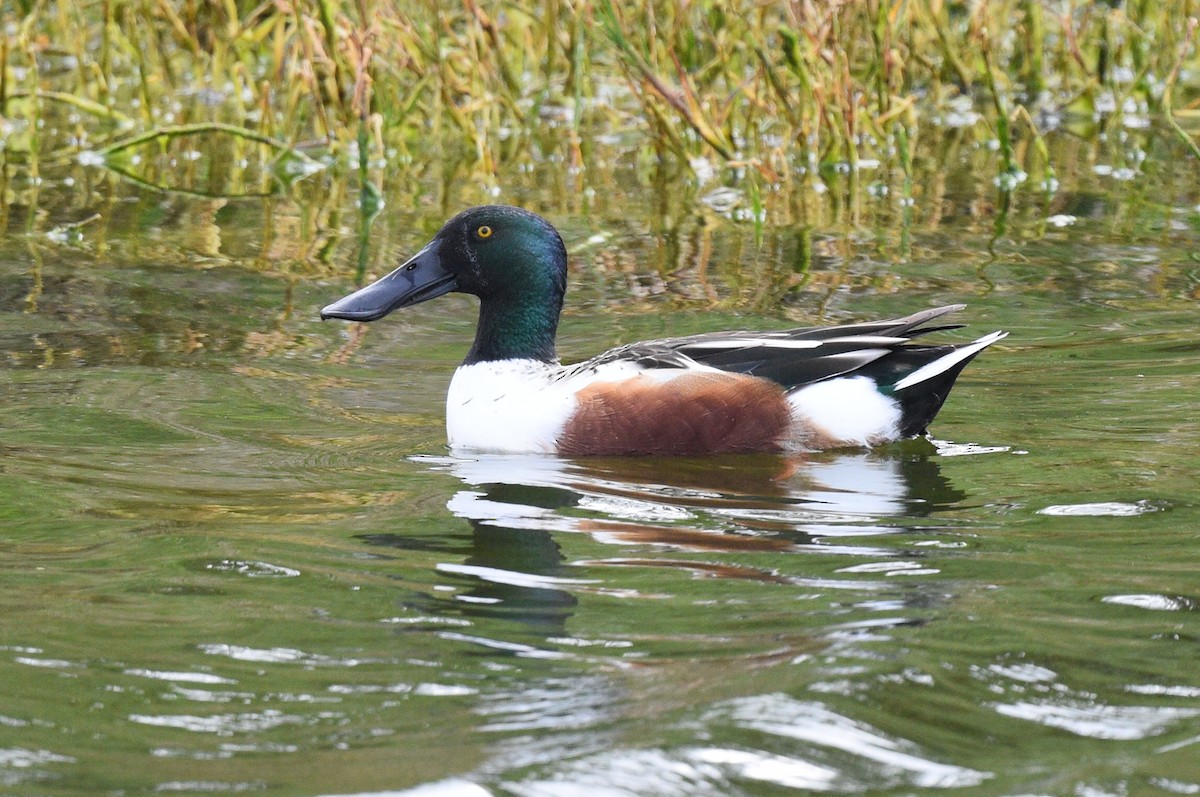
{"x":513,"y":260}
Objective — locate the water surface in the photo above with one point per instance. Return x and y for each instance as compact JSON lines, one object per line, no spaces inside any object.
{"x":236,"y":555}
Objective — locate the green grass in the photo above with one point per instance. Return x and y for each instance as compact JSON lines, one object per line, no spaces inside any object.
{"x":782,"y":92}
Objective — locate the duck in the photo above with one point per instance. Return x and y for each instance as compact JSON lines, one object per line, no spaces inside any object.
{"x":794,"y":390}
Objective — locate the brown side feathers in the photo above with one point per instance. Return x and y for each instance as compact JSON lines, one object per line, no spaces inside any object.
{"x":693,"y":414}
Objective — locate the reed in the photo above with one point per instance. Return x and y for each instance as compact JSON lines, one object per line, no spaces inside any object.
{"x":774,"y":93}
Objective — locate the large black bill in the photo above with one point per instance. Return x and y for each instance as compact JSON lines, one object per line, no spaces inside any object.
{"x":419,"y":279}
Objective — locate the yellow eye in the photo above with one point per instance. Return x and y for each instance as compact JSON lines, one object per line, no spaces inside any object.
{"x":484,"y":231}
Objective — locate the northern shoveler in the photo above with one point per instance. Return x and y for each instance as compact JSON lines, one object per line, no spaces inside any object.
{"x":719,"y":392}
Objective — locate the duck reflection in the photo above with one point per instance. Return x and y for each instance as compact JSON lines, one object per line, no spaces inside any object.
{"x":717,"y":502}
{"x":514,"y":568}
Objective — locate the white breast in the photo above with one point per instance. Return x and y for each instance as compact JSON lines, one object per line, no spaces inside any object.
{"x":507,"y":406}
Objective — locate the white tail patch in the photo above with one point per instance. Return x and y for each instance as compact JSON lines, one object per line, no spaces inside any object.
{"x":846,"y":411}
{"x":948,"y":361}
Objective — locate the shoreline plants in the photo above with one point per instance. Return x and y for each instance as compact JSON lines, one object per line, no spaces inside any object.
{"x":779,"y":92}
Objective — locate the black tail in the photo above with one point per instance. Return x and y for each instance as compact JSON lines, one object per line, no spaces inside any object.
{"x":921,"y":377}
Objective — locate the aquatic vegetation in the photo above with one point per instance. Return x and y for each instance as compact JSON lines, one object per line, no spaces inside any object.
{"x":791,"y":92}
{"x":810,"y":113}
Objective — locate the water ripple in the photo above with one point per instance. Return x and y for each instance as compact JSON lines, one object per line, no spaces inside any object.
{"x":1078,"y":712}
{"x":516,"y":648}
{"x":558,"y":703}
{"x":275,"y":655}
{"x":791,"y":773}
{"x":1100,"y":509}
{"x":452,"y":787}
{"x":891,"y":569}
{"x":209,"y":696}
{"x":20,"y":758}
{"x":252,"y":569}
{"x":1168,"y":691}
{"x":56,"y":664}
{"x":213,"y":786}
{"x":424,"y":689}
{"x":18,"y":764}
{"x":1096,"y":720}
{"x":624,"y":773}
{"x":1176,"y":786}
{"x":511,"y":577}
{"x":813,"y":723}
{"x":183,"y":677}
{"x":221,"y":724}
{"x":1157,"y":603}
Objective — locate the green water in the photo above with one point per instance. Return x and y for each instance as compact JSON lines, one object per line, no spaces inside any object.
{"x":236,"y":556}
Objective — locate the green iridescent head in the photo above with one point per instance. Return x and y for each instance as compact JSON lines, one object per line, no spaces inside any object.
{"x":513,"y":260}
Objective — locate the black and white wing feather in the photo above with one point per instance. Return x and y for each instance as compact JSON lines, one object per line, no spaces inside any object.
{"x":792,"y":357}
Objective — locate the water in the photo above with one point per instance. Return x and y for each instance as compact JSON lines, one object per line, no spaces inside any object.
{"x":236,"y":556}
